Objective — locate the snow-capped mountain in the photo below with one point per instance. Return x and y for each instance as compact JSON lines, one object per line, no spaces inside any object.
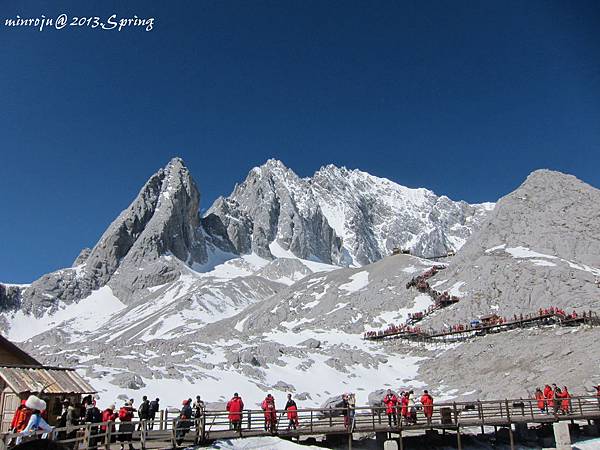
{"x":163,"y":279}
{"x":340,"y":216}
{"x":248,"y":298}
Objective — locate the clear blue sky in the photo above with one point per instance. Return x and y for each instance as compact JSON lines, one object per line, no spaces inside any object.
{"x":464,"y":98}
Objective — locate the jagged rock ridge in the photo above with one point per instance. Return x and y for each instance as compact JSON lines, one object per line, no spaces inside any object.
{"x":340,"y":216}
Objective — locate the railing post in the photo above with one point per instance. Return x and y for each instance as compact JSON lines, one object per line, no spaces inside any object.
{"x":311,"y":420}
{"x":163,"y":419}
{"x":455,"y":413}
{"x":174,"y":434}
{"x":143,"y":428}
{"x":249,"y":419}
{"x":580,"y":407}
{"x":197,"y":430}
{"x":108,"y":435}
{"x":86,"y":436}
{"x":531,"y":408}
{"x":481,"y":416}
{"x":330,"y":417}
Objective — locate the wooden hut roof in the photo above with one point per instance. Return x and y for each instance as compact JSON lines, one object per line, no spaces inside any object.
{"x":49,"y":380}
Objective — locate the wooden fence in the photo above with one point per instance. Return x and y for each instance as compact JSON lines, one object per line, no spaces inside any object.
{"x":213,"y":425}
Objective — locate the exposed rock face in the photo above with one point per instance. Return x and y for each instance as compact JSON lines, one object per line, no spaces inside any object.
{"x":540,"y":247}
{"x":309,"y":216}
{"x":162,"y":220}
{"x":374,"y":215}
{"x":10,"y":297}
{"x":274,"y":204}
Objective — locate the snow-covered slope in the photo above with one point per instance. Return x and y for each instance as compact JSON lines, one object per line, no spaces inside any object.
{"x":305,"y":338}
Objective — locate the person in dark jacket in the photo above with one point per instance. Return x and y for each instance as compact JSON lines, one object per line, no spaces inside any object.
{"x":292,"y":412}
{"x":184,"y":423}
{"x":152,"y":411}
{"x":143,"y":411}
{"x":93,"y":415}
{"x":69,"y":417}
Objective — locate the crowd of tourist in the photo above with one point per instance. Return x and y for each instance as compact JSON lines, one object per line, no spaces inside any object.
{"x":32,"y":416}
{"x":493,"y":320}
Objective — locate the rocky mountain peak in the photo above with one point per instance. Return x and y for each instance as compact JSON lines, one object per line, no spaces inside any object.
{"x":161,"y":221}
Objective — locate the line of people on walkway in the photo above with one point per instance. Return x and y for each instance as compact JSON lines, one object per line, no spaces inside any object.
{"x":404,"y":407}
{"x":553,"y":400}
{"x":475,"y":325}
{"x":235,"y":408}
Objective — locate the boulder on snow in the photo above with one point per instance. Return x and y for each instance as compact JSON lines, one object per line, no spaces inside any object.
{"x":283,"y":386}
{"x":303,"y":396}
{"x":311,"y":343}
{"x":128,"y":381}
{"x":333,"y":404}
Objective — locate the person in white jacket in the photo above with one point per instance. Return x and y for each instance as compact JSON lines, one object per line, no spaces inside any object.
{"x":36,"y":421}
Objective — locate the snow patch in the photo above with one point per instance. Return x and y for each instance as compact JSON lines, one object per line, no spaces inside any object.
{"x":524,"y":252}
{"x":359,"y":281}
{"x":85,"y":316}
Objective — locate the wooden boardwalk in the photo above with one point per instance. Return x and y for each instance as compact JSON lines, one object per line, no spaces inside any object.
{"x":468,"y":331}
{"x":215,"y":425}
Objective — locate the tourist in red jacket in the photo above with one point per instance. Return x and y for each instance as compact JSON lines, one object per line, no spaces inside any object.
{"x":126,"y":427}
{"x":565,"y":404}
{"x":20,"y":418}
{"x":109,"y":415}
{"x":539,"y":396}
{"x":427,"y":402}
{"x":391,"y":402}
{"x":404,"y":400}
{"x":268,"y":406}
{"x":549,"y":396}
{"x":235,"y":406}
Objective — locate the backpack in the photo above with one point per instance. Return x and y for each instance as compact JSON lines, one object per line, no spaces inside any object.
{"x":144,"y":409}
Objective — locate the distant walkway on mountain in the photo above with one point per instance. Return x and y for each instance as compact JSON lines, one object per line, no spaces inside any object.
{"x":488,"y":324}
{"x":492,"y":323}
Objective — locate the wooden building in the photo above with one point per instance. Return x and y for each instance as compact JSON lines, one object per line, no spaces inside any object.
{"x":22,"y":375}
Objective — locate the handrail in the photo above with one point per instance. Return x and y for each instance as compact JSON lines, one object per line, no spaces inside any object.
{"x":446,"y":414}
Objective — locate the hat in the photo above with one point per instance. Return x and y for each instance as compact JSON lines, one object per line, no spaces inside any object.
{"x":186,"y":402}
{"x":35,"y":403}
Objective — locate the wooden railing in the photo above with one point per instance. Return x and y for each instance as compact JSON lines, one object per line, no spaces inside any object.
{"x":214,"y":425}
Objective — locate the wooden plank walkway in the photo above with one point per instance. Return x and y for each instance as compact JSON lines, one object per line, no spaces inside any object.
{"x":467,"y":331}
{"x":215,"y":425}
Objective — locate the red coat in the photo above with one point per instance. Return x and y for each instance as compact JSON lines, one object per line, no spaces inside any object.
{"x":268,"y":407}
{"x":549,"y":396}
{"x":126,"y":413}
{"x":565,"y":396}
{"x":404,"y":406}
{"x":292,"y":412}
{"x":108,"y":415}
{"x":427,"y":402}
{"x":21,"y":418}
{"x":539,"y":396}
{"x":235,"y":406}
{"x":390,"y":401}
